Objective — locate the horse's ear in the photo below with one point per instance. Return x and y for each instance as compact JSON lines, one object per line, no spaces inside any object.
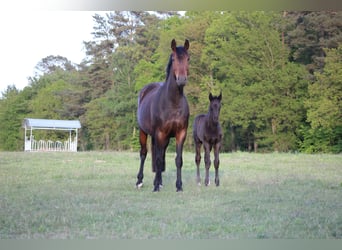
{"x":173,"y":45}
{"x":186,"y":44}
{"x":220,"y":96}
{"x":210,"y":97}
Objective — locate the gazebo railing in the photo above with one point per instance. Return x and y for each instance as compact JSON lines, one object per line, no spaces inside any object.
{"x":49,"y":145}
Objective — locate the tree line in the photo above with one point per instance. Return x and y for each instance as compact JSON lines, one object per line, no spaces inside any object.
{"x":279,"y":72}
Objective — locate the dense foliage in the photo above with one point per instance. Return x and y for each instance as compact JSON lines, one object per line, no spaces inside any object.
{"x":279,"y":72}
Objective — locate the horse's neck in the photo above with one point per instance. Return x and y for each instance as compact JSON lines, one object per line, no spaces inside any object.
{"x":171,"y":91}
{"x":210,"y":123}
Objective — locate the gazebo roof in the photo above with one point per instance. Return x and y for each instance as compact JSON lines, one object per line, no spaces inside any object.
{"x":51,"y":124}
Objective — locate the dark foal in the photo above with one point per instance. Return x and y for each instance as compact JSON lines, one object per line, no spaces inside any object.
{"x":207,"y":131}
{"x":163,"y":112}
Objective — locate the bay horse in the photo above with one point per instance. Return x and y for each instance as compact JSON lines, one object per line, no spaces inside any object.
{"x":163,"y":112}
{"x":207,"y":131}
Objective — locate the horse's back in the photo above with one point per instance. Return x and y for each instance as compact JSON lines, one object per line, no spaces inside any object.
{"x":197,"y":126}
{"x":145,"y":100}
{"x":148,"y":90}
{"x":198,"y":119}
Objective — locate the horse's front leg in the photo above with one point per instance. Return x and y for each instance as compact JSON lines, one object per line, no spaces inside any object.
{"x":217,"y":163}
{"x":198,"y":160}
{"x":143,"y":153}
{"x":180,"y":138}
{"x":207,"y":162}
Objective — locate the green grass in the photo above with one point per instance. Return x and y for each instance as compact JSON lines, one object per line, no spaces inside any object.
{"x":93,"y":195}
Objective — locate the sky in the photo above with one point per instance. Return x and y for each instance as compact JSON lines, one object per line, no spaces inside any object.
{"x":29,"y":36}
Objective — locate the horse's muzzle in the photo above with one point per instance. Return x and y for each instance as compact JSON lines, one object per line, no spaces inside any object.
{"x":181,"y":80}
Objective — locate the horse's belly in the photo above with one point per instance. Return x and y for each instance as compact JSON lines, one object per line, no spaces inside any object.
{"x":144,"y":117}
{"x":214,"y":141}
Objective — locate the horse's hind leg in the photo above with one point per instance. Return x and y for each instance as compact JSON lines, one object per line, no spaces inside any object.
{"x":159,"y":144}
{"x":198,"y":161}
{"x":217,"y":163}
{"x":159,"y":166}
{"x":158,"y":162}
{"x":143,"y":153}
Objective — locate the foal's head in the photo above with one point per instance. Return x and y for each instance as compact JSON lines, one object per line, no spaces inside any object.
{"x":214,"y":107}
{"x":179,"y":59}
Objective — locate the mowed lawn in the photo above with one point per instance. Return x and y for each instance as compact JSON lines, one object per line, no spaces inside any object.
{"x":93,"y":195}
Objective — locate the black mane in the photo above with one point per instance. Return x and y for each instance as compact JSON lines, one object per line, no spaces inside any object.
{"x":168,"y":67}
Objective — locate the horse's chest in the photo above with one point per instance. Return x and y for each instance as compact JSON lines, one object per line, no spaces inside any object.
{"x":174,"y":125}
{"x":213,"y":135}
{"x":171,"y":122}
{"x":173,"y":116}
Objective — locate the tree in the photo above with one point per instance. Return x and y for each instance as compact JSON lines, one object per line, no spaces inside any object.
{"x":52,"y":63}
{"x":324,"y":107}
{"x":309,"y":32}
{"x":13,"y":108}
{"x":48,"y":104}
{"x":98,"y":125}
{"x":263,"y":92}
{"x":122,"y":41}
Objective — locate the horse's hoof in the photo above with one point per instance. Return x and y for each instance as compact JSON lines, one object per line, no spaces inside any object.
{"x":179,"y":190}
{"x":139,"y":185}
{"x":199,"y":184}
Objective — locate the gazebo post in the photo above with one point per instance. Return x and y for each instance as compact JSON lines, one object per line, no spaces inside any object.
{"x":31,"y":141}
{"x":76,"y":140}
{"x":70,"y":140}
{"x":25,"y":139}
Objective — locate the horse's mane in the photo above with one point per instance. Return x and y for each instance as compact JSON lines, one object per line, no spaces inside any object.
{"x":168,"y":67}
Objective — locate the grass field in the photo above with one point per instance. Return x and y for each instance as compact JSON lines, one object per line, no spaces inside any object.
{"x":93,"y":195}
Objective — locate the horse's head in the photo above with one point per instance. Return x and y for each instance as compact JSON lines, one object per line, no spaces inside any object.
{"x":179,"y":59}
{"x":215,"y":107}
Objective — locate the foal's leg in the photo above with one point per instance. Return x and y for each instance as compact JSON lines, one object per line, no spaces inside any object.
{"x":217,"y":163}
{"x":143,"y":153}
{"x":198,"y":160}
{"x":207,"y":149}
{"x":180,"y":138}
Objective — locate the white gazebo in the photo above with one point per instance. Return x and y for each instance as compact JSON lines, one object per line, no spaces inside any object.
{"x":70,"y":126}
